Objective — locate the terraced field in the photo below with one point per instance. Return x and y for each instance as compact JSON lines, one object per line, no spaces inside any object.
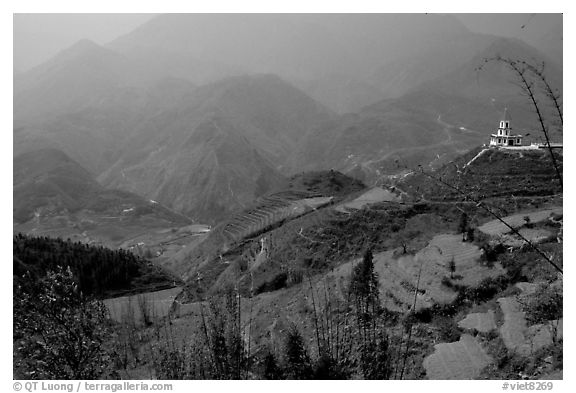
{"x":272,"y":210}
{"x":496,"y":228}
{"x":398,"y":275}
{"x":465,"y":255}
{"x":520,"y":338}
{"x":534,"y":235}
{"x":512,"y":331}
{"x":374,"y":195}
{"x":481,"y":322}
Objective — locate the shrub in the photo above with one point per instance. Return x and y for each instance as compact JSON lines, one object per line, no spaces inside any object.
{"x":278,"y":282}
{"x":60,"y":332}
{"x":486,"y":289}
{"x":423,"y":315}
{"x":295,"y":277}
{"x":326,"y":367}
{"x":448,"y":331}
{"x":491,"y":252}
{"x":470,"y":234}
{"x":446,"y":282}
{"x":271,"y":369}
{"x":544,"y":305}
{"x":296,"y":359}
{"x":217,"y":351}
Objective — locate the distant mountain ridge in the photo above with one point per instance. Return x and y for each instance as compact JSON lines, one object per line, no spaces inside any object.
{"x":71,"y":80}
{"x":219,"y":148}
{"x":53,"y":194}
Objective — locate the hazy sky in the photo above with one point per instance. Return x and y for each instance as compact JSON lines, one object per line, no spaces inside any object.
{"x":524,"y":26}
{"x":37,"y":37}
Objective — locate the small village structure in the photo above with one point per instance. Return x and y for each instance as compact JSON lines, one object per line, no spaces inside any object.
{"x":504,"y":138}
{"x":504,"y":135}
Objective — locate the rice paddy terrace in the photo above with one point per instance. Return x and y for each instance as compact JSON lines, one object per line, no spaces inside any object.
{"x":374,"y":195}
{"x":137,"y":308}
{"x":272,"y":210}
{"x":399,"y":274}
{"x":515,"y":332}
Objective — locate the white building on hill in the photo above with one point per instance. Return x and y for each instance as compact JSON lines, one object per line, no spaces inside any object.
{"x":504,"y":136}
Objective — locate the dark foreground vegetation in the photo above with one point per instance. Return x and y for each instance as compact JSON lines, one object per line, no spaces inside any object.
{"x":60,"y":333}
{"x":97,"y":270}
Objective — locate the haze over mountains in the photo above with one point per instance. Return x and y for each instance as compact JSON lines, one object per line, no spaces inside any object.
{"x":205,"y":113}
{"x":54,"y":195}
{"x":236,"y":179}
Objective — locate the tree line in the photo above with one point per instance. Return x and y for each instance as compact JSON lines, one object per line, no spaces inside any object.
{"x":97,"y":270}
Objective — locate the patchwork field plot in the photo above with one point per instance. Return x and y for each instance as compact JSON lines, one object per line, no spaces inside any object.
{"x":135,"y":308}
{"x":396,"y":286}
{"x":463,"y":359}
{"x":496,"y":228}
{"x":520,"y":338}
{"x":527,"y":288}
{"x":434,"y":260}
{"x":534,"y":235}
{"x":374,"y":195}
{"x":514,"y":327}
{"x":270,"y":210}
{"x":442,"y":249}
{"x":481,"y":322}
{"x":398,"y":275}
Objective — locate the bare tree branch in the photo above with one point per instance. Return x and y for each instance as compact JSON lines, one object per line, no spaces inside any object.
{"x":521,"y":68}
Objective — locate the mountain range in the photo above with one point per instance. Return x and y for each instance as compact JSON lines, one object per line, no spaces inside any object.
{"x":54,"y":195}
{"x":205,"y":122}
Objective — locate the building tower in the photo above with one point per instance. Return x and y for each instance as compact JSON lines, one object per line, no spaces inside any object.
{"x":504,"y":136}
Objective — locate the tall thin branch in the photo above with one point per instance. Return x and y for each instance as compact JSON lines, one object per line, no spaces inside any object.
{"x":315,"y":313}
{"x":549,"y":91}
{"x":410,"y":331}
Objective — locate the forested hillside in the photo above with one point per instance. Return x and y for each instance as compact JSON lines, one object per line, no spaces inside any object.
{"x":98,"y":271}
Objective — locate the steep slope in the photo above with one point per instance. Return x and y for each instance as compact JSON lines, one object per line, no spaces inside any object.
{"x":218,"y":148}
{"x":299,"y":202}
{"x":53,"y":195}
{"x":90,"y":134}
{"x":210,"y":173}
{"x":170,"y":140}
{"x":49,"y":177}
{"x":377,"y":140}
